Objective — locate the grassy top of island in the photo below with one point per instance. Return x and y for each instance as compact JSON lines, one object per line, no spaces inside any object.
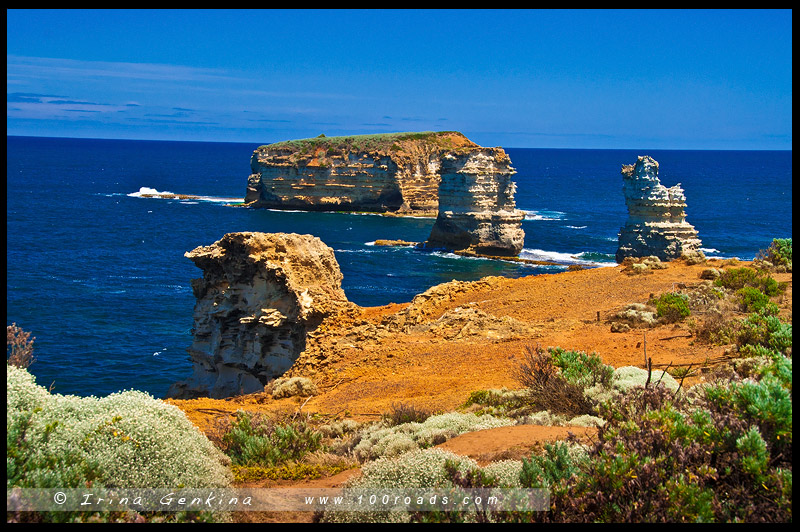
{"x":374,"y":142}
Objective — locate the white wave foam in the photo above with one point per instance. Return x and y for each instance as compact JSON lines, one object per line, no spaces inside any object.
{"x":147,"y":191}
{"x":188,"y":199}
{"x":212,"y":199}
{"x":576,"y":226}
{"x":543,"y":215}
{"x":710,"y":250}
{"x":560,"y":257}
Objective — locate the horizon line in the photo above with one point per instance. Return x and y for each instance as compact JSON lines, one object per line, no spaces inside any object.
{"x":261,"y":143}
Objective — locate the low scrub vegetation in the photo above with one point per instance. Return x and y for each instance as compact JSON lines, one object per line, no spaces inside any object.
{"x":126,"y":439}
{"x":778,"y":255}
{"x":672,"y":307}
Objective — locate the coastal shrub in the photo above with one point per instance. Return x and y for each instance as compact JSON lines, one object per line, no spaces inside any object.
{"x":704,"y":296}
{"x":627,"y":378}
{"x":779,"y":254}
{"x":737,"y":278}
{"x":763,"y":328}
{"x":555,"y":380}
{"x":292,"y":386}
{"x":380,"y":440}
{"x":125,"y":440}
{"x":422,"y":468}
{"x":724,"y":457}
{"x":581,"y":369}
{"x":544,"y":418}
{"x":559,"y":397}
{"x":751,"y":299}
{"x":427,"y":469}
{"x":555,"y":466}
{"x":500,"y":401}
{"x":638,"y":314}
{"x":19,"y":347}
{"x":400,"y":413}
{"x":672,"y":307}
{"x":535,"y":369}
{"x":339,"y":428}
{"x":255,"y":440}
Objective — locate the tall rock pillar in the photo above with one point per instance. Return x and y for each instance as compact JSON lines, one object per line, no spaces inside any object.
{"x":656,"y":222}
{"x":477,"y":212}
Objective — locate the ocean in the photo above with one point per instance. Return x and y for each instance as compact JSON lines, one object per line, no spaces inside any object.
{"x":97,"y":273}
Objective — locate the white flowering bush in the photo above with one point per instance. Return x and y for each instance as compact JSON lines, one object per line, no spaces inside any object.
{"x":544,"y":418}
{"x":128,"y":439}
{"x":422,"y":469}
{"x":293,"y":386}
{"x":628,"y":377}
{"x":587,"y":420}
{"x":506,"y":472}
{"x":378,"y":440}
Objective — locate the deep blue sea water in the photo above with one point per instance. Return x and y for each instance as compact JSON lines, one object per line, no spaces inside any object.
{"x":97,"y":274}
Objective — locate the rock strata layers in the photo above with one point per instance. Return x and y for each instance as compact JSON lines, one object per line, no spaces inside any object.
{"x":259,"y":296}
{"x":388,"y":173}
{"x":656,"y":224}
{"x":477,"y":211}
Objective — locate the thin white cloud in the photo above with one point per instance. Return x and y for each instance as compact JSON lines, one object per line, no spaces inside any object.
{"x":49,"y":68}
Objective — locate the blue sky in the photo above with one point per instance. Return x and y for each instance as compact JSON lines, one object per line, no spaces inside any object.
{"x":675,"y":79}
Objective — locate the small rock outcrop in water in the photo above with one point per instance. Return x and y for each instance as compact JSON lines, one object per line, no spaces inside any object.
{"x":656,"y":223}
{"x":477,"y":212}
{"x":259,"y":296}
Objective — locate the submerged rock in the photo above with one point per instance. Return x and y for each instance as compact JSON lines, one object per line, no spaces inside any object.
{"x":259,"y":297}
{"x":656,"y":224}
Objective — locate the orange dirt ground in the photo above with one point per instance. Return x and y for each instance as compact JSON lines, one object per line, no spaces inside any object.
{"x":364,"y":379}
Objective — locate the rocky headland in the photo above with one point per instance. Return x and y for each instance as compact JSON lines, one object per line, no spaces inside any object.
{"x":459,"y":337}
{"x":259,"y":296}
{"x":272,"y":305}
{"x":656,"y":224}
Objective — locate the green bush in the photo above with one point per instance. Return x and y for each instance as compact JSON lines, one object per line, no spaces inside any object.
{"x":737,"y":278}
{"x":581,"y":369}
{"x":726,"y":456}
{"x":254,"y":440}
{"x":555,"y":466}
{"x":672,"y":307}
{"x":764,"y":328}
{"x":779,"y":253}
{"x":751,"y":299}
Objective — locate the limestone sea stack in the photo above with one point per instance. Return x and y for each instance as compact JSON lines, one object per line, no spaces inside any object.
{"x":388,"y":173}
{"x":477,"y":211}
{"x":656,"y":224}
{"x":259,"y":296}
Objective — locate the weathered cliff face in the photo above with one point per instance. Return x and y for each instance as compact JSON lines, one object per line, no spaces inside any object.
{"x":656,"y":224}
{"x":477,"y":212}
{"x":376,"y":173}
{"x":259,"y":297}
